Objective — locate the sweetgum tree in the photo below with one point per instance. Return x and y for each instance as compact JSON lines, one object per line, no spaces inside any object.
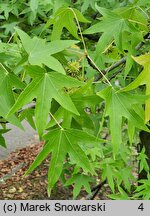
{"x":83,"y":68}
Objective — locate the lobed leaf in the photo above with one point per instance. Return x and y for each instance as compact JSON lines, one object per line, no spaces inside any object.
{"x":44,"y":88}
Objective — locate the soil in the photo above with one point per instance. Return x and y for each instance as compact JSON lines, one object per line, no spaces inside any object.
{"x":14,"y":186}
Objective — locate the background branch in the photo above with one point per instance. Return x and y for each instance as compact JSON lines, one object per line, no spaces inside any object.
{"x":121,"y":61}
{"x":95,"y":190}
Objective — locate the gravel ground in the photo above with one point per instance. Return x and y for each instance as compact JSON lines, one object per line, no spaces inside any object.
{"x":17,"y":138}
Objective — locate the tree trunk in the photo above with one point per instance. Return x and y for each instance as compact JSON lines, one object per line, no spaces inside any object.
{"x":144,"y":142}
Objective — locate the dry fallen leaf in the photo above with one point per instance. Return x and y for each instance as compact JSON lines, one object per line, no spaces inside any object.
{"x":12,"y":190}
{"x":20,"y":189}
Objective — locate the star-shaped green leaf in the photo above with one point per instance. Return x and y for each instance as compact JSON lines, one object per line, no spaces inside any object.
{"x":119,"y":105}
{"x":40,"y":52}
{"x":44,"y":87}
{"x":65,"y":18}
{"x":59,"y":142}
{"x":79,"y":181}
{"x":112,"y":26}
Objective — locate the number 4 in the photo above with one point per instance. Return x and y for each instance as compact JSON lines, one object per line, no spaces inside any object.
{"x":141,"y":207}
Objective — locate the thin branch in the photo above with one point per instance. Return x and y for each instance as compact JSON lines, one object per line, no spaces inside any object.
{"x":95,"y":190}
{"x":80,"y":31}
{"x":116,"y":73}
{"x":112,"y":67}
{"x":4,"y":122}
{"x":95,"y":66}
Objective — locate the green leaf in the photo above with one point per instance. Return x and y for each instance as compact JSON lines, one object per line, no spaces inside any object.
{"x":143,"y":191}
{"x":142,"y":157}
{"x":28,"y":114}
{"x":108,"y":173}
{"x":95,"y":152}
{"x":34,"y":5}
{"x":45,"y":87}
{"x":134,"y":16}
{"x":86,"y":4}
{"x":7,"y":82}
{"x":65,"y":18}
{"x":126,"y":176}
{"x":40,"y":52}
{"x":131,"y":131}
{"x":84,"y":120}
{"x":122,"y":196}
{"x":59,"y":142}
{"x":86,"y":97}
{"x":82,"y":98}
{"x":79,"y":181}
{"x":110,"y":18}
{"x":2,"y":140}
{"x":118,"y":105}
{"x":143,"y":78}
